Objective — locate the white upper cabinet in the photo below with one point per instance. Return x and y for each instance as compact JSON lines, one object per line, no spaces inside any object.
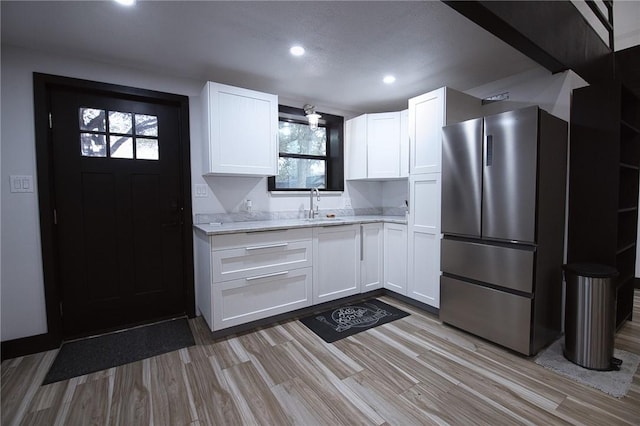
{"x":383,"y":145}
{"x":375,"y":147}
{"x":427,"y":114}
{"x":404,"y":143}
{"x":240,"y":131}
{"x":356,"y":147}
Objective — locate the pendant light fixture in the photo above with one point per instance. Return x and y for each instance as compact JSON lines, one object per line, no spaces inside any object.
{"x":312,"y":116}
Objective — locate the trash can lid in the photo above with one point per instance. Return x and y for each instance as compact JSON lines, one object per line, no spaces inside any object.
{"x":592,"y":270}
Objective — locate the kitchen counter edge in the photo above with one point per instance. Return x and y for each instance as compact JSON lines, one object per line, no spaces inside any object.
{"x":272,"y":225}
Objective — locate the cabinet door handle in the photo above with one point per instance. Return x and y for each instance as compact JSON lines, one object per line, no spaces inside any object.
{"x":259,"y":277}
{"x":267,"y":246}
{"x":361,"y":243}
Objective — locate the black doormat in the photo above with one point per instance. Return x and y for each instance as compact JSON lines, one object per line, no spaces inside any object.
{"x":347,"y":320}
{"x":110,"y":350}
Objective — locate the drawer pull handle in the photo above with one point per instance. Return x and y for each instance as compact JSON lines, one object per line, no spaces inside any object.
{"x":267,"y":246}
{"x":259,"y":277}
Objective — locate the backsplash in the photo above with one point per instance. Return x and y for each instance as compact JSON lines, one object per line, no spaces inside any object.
{"x":203,"y":218}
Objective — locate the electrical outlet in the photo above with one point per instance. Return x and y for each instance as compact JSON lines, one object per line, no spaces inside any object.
{"x":347,"y":203}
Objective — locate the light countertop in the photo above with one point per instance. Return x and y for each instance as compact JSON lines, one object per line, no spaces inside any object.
{"x":268,"y":225}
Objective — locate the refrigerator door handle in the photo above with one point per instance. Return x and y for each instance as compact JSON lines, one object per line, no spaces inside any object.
{"x":489,"y":153}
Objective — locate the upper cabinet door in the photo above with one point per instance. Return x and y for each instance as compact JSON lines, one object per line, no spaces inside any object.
{"x":426,"y":118}
{"x":374,"y":147}
{"x":510,"y":175}
{"x":427,"y":114}
{"x":383,"y":145}
{"x":356,"y":147}
{"x":240,"y":131}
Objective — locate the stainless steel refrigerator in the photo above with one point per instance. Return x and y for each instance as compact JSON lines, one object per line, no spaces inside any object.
{"x":503,"y":204}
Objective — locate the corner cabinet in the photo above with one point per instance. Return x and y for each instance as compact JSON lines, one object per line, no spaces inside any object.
{"x":377,"y":146}
{"x":336,"y":259}
{"x":240,"y":131}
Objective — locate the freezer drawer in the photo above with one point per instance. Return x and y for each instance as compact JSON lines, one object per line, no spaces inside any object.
{"x":497,"y":316}
{"x":507,"y":267}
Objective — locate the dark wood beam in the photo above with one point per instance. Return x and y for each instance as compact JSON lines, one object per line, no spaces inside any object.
{"x":552,"y":33}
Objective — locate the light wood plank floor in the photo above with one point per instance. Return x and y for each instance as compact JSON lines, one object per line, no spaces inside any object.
{"x":412,"y":371}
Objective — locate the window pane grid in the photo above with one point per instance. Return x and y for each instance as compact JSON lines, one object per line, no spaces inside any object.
{"x":116,"y":134}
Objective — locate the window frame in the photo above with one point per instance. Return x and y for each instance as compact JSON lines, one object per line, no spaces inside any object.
{"x":334,"y":166}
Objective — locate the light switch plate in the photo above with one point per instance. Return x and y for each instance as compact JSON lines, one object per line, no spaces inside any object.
{"x":200,"y":190}
{"x":21,"y":183}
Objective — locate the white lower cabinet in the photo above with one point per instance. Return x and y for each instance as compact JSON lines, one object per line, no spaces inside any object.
{"x":395,"y":257}
{"x":247,"y":299}
{"x":336,"y":262}
{"x":424,"y":239}
{"x":244,"y":277}
{"x":372,"y":255}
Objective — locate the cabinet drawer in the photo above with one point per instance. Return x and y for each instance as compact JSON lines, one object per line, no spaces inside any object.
{"x":250,"y":239}
{"x":260,"y":259}
{"x":498,"y":316}
{"x":249,"y":299}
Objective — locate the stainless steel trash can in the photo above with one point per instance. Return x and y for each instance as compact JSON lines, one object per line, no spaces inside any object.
{"x":590,"y":314}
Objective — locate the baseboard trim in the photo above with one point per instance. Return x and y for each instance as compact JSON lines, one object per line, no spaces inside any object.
{"x":29,"y":345}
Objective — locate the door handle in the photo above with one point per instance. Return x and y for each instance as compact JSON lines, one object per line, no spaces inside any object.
{"x":489,"y":154}
{"x":259,"y":277}
{"x":267,"y":246}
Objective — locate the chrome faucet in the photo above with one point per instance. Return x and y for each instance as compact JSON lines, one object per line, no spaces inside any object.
{"x":312,"y":213}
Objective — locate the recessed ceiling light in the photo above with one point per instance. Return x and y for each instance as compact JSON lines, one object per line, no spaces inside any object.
{"x":297,"y":50}
{"x":388,"y":79}
{"x":126,"y":2}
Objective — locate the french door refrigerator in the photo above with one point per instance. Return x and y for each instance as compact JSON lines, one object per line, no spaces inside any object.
{"x":503,"y":204}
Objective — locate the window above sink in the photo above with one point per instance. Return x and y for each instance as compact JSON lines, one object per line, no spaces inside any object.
{"x":308,"y":158}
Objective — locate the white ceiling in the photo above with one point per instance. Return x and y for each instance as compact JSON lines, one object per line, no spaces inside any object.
{"x":350,"y":45}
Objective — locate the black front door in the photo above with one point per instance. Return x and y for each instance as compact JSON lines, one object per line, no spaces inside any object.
{"x":119,"y":210}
